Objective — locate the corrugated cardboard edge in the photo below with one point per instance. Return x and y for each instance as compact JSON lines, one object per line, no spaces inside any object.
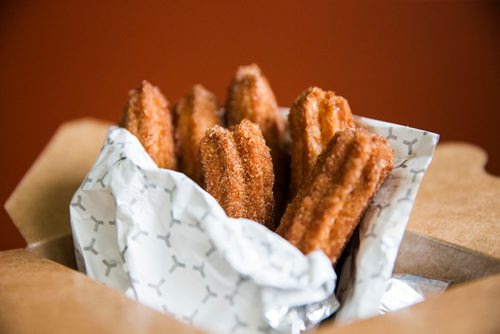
{"x":39,"y":206}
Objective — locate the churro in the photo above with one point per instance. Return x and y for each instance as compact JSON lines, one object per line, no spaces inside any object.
{"x":314,"y":118}
{"x":250,"y":97}
{"x":238,"y":171}
{"x":196,"y":112}
{"x":148,"y":118}
{"x":331,"y":202}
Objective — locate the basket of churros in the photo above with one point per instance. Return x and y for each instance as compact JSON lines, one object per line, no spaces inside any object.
{"x":249,"y":218}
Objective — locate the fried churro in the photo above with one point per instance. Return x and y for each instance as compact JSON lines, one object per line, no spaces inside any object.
{"x":331,"y":202}
{"x":238,"y":171}
{"x":250,"y":97}
{"x":314,"y":118}
{"x":148,"y":118}
{"x":196,"y":112}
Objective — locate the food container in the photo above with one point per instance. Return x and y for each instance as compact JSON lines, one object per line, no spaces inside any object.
{"x":39,"y":205}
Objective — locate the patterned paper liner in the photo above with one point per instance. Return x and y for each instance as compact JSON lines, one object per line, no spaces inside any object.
{"x":164,"y":241}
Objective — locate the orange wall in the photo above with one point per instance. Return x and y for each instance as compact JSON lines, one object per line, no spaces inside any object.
{"x":431,"y":65}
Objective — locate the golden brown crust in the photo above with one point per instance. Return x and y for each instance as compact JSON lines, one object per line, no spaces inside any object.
{"x":196,"y":112}
{"x":250,"y":97}
{"x":148,"y":118}
{"x":238,"y":171}
{"x":314,"y":118}
{"x":223,"y":172}
{"x":376,"y":170}
{"x":330,"y":203}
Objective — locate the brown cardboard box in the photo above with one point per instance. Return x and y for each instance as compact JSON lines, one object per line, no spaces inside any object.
{"x":454,"y":230}
{"x":453,"y":234}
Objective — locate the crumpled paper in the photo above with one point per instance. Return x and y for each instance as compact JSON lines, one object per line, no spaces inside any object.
{"x":160,"y":238}
{"x":371,"y":260}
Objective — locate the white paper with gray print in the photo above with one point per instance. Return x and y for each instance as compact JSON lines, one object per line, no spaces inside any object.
{"x":369,"y":266}
{"x":160,"y":238}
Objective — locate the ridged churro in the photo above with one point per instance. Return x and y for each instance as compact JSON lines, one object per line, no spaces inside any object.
{"x":331,"y":202}
{"x":314,"y":118}
{"x":238,"y":171}
{"x":250,"y":97}
{"x":148,"y":118}
{"x":196,"y":112}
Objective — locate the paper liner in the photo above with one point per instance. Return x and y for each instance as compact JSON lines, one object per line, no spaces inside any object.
{"x":158,"y":236}
{"x":163,"y":240}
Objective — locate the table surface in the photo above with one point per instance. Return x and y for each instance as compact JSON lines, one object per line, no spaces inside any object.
{"x":431,"y":65}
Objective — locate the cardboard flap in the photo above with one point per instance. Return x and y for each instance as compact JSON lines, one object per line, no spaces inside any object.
{"x":454,"y":228}
{"x":40,"y":296}
{"x":467,"y":308}
{"x":39,"y":206}
{"x":459,"y":201}
{"x":34,"y":292}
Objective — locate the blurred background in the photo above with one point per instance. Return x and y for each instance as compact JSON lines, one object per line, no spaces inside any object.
{"x":433,"y":65}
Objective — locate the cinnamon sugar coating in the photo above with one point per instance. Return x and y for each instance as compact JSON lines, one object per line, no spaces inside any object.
{"x":238,"y":171}
{"x":250,"y":97}
{"x":331,"y":202}
{"x":148,"y":118}
{"x":314,"y":118}
{"x":196,"y":112}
